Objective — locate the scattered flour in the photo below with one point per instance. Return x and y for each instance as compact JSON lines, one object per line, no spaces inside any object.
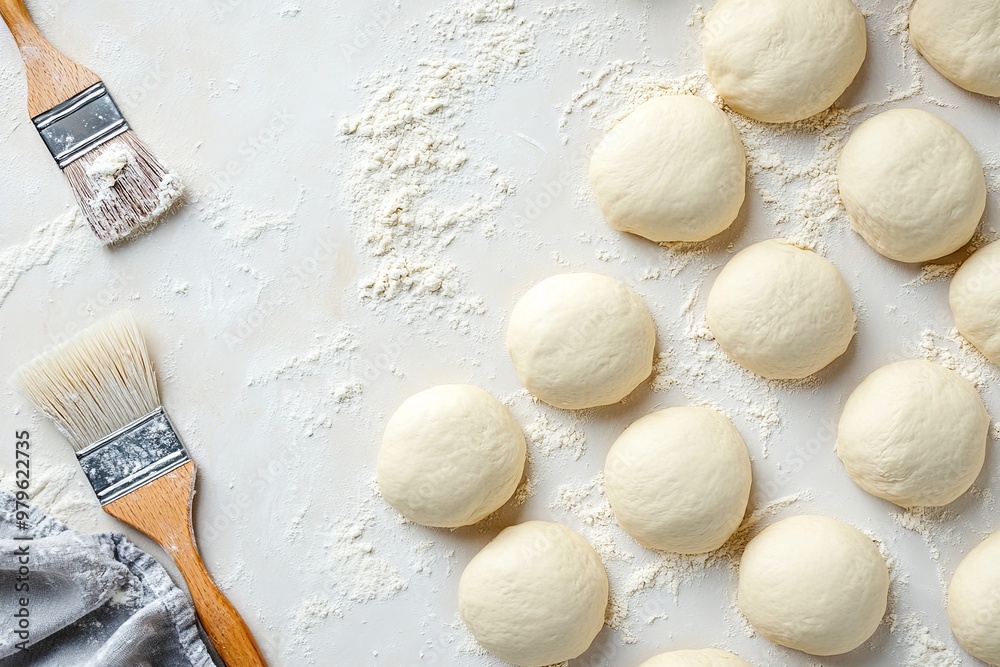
{"x":357,"y":572}
{"x":67,"y":236}
{"x":953,"y":351}
{"x":64,"y":493}
{"x":417,"y":179}
{"x":108,"y":166}
{"x":932,"y":273}
{"x":329,"y":349}
{"x":925,"y":650}
{"x":547,"y":436}
{"x":409,"y":153}
{"x":635,"y":572}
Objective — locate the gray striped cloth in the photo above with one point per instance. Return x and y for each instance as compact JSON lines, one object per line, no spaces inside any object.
{"x":90,"y":601}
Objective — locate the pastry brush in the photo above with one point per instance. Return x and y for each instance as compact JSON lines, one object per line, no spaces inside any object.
{"x":100,"y":389}
{"x":119,"y":184}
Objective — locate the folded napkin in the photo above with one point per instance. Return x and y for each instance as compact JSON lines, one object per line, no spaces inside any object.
{"x":87,"y":600}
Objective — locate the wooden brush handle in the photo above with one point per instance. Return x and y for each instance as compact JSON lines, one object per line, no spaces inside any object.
{"x":52,"y":77}
{"x":162,"y":510}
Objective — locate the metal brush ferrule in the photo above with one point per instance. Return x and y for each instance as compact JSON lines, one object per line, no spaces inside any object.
{"x":133,"y":456}
{"x":80,"y":124}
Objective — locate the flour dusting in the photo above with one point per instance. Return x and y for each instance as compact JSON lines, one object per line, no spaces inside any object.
{"x":410,"y":151}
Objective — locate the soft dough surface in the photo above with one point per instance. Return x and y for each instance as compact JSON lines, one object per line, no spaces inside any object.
{"x":679,"y":479}
{"x":535,"y":595}
{"x":974,"y":601}
{"x":814,"y":584}
{"x":579,"y":340}
{"x":783,"y":60}
{"x":782,"y":311}
{"x":913,"y":186}
{"x":961,"y":39}
{"x":450,"y":456}
{"x":974,"y":297}
{"x":709,"y":657}
{"x":672,"y":170}
{"x":914,"y":433}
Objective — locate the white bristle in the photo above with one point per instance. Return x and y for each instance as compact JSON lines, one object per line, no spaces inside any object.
{"x":95,"y":383}
{"x":130,"y":199}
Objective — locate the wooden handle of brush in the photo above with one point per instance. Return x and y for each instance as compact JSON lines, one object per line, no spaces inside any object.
{"x":52,"y":77}
{"x":162,"y":510}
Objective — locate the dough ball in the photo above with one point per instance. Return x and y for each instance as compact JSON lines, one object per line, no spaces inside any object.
{"x":974,"y":601}
{"x":579,"y":340}
{"x":672,"y":170}
{"x":975,"y":300}
{"x":781,"y":311}
{"x":450,"y":456}
{"x":783,"y":60}
{"x":914,"y":433}
{"x":814,"y":584}
{"x":913,"y":186}
{"x":961,"y":39}
{"x":536,"y":595}
{"x":710,"y":657}
{"x":679,"y":480}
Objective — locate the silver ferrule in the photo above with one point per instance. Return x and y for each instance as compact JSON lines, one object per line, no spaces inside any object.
{"x":133,"y":456}
{"x":80,"y":124}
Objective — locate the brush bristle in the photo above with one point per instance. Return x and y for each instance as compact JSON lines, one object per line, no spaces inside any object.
{"x":122,"y":188}
{"x":95,"y":383}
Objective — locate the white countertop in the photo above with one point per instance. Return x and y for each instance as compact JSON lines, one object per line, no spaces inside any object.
{"x":250,"y":299}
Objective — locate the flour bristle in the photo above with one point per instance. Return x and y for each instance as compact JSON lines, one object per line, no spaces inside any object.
{"x":122,"y":188}
{"x":95,"y":383}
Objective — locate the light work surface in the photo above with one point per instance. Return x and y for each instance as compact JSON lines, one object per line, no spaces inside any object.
{"x":371,"y":187}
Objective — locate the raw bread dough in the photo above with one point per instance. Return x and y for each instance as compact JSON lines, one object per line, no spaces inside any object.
{"x":781,"y":311}
{"x":975,"y":300}
{"x":450,"y":456}
{"x":710,"y":657}
{"x":672,"y":170}
{"x":783,"y":60}
{"x":913,"y":186}
{"x":974,"y":601}
{"x":814,"y":584}
{"x":961,"y":39}
{"x":679,"y":480}
{"x":535,"y":595}
{"x":579,"y":340}
{"x":914,"y":433}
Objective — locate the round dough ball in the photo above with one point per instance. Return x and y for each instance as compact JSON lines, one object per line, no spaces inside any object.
{"x":450,"y":456}
{"x":535,"y":595}
{"x":679,"y":480}
{"x":961,"y":39}
{"x":974,"y":601}
{"x":579,"y":340}
{"x":783,"y":60}
{"x":914,"y":433}
{"x":912,"y":185}
{"x":781,"y":311}
{"x":814,"y":584}
{"x":975,"y":300}
{"x":672,"y":170}
{"x":709,"y":657}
